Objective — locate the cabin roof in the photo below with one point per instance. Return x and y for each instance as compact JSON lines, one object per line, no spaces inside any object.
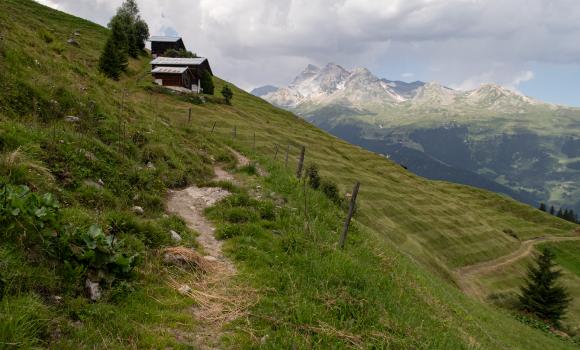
{"x":178,"y":61}
{"x":167,"y":39}
{"x":170,"y":70}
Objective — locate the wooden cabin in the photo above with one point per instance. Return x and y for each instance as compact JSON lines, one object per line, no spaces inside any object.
{"x":160,"y":44}
{"x":196,"y":65}
{"x":175,"y":76}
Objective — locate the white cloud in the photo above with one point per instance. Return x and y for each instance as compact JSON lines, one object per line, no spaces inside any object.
{"x":407,"y":75}
{"x":459,"y":42}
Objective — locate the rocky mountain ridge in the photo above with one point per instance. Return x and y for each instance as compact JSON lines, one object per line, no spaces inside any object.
{"x":359,"y":88}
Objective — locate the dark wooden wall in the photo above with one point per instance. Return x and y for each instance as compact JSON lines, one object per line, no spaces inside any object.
{"x":159,"y":47}
{"x":173,"y":79}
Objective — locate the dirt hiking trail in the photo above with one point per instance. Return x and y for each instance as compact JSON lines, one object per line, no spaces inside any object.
{"x":466,"y":276}
{"x":218,"y":301}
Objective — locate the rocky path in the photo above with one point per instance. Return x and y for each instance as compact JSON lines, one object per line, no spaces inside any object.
{"x":466,"y":276}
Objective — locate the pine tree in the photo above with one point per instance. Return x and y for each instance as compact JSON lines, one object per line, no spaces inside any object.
{"x":552,"y":210}
{"x":560,"y":214}
{"x":228,"y":94}
{"x":542,"y":207}
{"x":207,"y":83}
{"x":110,"y":61}
{"x":542,"y":295}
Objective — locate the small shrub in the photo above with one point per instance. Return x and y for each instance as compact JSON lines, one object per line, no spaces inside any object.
{"x":46,"y":36}
{"x":330,"y":190}
{"x":139,"y":139}
{"x":228,"y":94}
{"x":29,"y":216}
{"x":239,"y":200}
{"x":313,"y":176}
{"x":249,"y":169}
{"x":120,"y":291}
{"x":99,"y":253}
{"x":267,"y":211}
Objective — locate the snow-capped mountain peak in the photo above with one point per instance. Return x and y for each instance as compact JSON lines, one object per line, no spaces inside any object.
{"x":361,"y":89}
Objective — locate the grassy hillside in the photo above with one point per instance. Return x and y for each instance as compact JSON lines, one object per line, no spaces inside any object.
{"x":392,"y":287}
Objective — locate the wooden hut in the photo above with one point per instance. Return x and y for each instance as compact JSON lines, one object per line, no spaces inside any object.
{"x":160,"y":44}
{"x":196,"y":65}
{"x":175,"y":76}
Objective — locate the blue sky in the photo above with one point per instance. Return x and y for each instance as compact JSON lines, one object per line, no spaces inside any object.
{"x":527,"y":45}
{"x":559,"y":84}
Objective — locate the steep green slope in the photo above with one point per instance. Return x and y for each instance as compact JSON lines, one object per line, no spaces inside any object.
{"x":137,"y":141}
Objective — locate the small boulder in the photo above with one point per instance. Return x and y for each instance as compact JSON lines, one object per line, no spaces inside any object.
{"x":184,"y":289}
{"x":90,"y":183}
{"x":175,"y":236}
{"x":138,"y":210}
{"x":73,"y":42}
{"x":72,"y":119}
{"x":93,"y":290}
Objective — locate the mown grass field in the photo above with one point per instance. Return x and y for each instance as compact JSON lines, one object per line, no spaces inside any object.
{"x":391,"y":288}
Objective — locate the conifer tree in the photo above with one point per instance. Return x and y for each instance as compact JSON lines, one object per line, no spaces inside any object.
{"x":228,"y":94}
{"x":542,"y":295}
{"x":542,"y":207}
{"x":207,"y":83}
{"x":552,"y":210}
{"x":110,"y":61}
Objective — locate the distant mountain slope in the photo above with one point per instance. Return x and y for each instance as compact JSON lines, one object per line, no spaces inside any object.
{"x":264,"y":90}
{"x":490,"y":137}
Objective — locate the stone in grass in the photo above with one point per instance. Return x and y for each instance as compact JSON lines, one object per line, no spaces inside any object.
{"x":138,"y":210}
{"x":93,"y":290}
{"x":73,"y":42}
{"x":184,"y":289}
{"x":175,"y":236}
{"x":72,"y":119}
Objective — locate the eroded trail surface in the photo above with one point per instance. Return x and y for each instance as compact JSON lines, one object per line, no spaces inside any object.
{"x":217,"y":301}
{"x":189,"y":204}
{"x":466,"y":276}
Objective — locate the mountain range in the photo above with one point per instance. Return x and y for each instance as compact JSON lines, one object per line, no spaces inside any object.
{"x":490,"y":137}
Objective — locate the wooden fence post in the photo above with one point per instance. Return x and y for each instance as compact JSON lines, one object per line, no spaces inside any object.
{"x":254,"y":144}
{"x":276,"y":152}
{"x":189,"y":117}
{"x":213,"y":127}
{"x":235,"y":132}
{"x":300,"y":163}
{"x":349,"y":216}
{"x":286,"y":159}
